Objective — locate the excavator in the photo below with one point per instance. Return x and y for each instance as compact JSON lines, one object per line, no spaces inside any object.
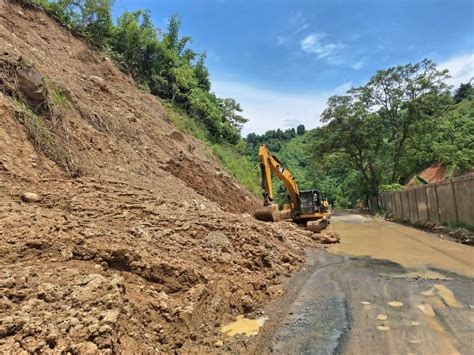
{"x":304,"y":207}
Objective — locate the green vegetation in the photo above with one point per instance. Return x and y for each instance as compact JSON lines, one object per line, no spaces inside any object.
{"x":159,"y":61}
{"x":59,"y":98}
{"x":240,"y":166}
{"x":43,"y":136}
{"x":35,"y":125}
{"x":377,"y":136}
{"x":374,"y":138}
{"x":162,"y":63}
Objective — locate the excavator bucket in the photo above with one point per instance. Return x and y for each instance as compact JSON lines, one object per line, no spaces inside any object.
{"x":267,"y":213}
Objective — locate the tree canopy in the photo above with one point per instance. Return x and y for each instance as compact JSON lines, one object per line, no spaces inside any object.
{"x":160,"y":61}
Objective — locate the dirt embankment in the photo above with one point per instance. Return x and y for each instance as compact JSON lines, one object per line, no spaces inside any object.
{"x":133,"y":241}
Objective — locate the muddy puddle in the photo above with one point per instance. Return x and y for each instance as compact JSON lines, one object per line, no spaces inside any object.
{"x":244,"y":326}
{"x":418,"y":253}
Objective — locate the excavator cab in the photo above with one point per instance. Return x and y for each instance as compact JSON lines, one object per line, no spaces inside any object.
{"x":310,"y":202}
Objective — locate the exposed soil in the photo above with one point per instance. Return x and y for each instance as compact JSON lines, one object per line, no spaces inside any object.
{"x":115,"y":236}
{"x":434,"y":173}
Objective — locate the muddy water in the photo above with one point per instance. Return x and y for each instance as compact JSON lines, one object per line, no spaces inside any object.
{"x":243,"y":326}
{"x":420,"y":254}
{"x":343,"y":304}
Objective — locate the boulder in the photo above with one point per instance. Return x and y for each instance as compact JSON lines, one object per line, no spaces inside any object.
{"x":31,"y":86}
{"x":177,"y":136}
{"x":329,"y":238}
{"x":31,"y":197}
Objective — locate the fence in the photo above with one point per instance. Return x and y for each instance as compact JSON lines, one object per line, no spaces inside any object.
{"x":448,"y":201}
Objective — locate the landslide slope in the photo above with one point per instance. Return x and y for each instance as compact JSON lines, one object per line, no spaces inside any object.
{"x":137,"y":240}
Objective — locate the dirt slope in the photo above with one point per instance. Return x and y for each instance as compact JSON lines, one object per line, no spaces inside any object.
{"x":132,"y":243}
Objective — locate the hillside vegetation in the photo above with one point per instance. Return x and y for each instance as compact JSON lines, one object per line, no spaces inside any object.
{"x":360,"y":151}
{"x":162,"y":63}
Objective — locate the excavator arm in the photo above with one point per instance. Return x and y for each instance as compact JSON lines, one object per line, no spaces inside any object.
{"x":270,"y":163}
{"x":305,"y":207}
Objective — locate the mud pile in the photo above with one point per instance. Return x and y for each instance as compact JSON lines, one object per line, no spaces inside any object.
{"x":117,"y":233}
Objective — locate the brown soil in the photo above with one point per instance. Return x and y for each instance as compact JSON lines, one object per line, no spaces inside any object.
{"x":146,"y":249}
{"x":434,"y":173}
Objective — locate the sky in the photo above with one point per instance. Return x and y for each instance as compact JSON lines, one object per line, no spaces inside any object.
{"x":282,"y":60}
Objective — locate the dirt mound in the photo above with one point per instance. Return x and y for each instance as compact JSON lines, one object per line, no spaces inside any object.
{"x":434,"y":173}
{"x":98,"y":114}
{"x":139,"y":252}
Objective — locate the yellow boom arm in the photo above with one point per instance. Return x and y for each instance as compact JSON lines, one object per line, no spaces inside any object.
{"x":270,"y":163}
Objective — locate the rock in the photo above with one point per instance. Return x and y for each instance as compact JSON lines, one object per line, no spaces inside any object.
{"x":98,"y":81}
{"x":31,"y":197}
{"x":85,"y":348}
{"x":276,"y":291}
{"x":9,"y":282}
{"x":460,"y":233}
{"x":30,"y":83}
{"x":177,"y":136}
{"x":329,"y":238}
{"x":441,"y":229}
{"x":111,"y":316}
{"x":219,"y":343}
{"x":430,"y":224}
{"x":219,"y":242}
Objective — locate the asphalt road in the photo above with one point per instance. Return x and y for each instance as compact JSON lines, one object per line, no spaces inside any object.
{"x":385,"y":289}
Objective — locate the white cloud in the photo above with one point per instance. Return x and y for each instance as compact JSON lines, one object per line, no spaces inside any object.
{"x":296,"y":24}
{"x":358,"y":65}
{"x":460,"y":68}
{"x":270,"y":109}
{"x":313,"y":43}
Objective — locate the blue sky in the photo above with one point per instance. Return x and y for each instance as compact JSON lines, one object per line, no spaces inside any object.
{"x":282,"y":59}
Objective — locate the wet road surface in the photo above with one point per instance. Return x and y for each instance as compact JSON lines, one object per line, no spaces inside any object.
{"x":385,"y":289}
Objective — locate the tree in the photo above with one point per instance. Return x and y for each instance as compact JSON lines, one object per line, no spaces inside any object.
{"x":300,"y":130}
{"x":201,"y":73}
{"x":230,"y":112}
{"x":462,"y":92}
{"x":355,"y":134}
{"x":402,"y":96}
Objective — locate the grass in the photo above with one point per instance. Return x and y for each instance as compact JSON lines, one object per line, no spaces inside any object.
{"x":241,"y":167}
{"x":35,"y":125}
{"x":59,"y":99}
{"x":43,"y":137}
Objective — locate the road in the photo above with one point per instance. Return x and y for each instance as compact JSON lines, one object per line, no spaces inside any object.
{"x":385,"y":289}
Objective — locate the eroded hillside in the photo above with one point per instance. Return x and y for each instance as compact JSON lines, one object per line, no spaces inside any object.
{"x":134,"y":238}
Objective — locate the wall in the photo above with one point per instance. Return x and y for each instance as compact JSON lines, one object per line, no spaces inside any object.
{"x":449,"y":201}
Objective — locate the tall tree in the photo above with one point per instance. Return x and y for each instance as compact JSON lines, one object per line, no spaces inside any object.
{"x":402,"y":96}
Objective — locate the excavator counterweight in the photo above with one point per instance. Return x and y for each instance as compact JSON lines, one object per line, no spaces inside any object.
{"x":305,"y":206}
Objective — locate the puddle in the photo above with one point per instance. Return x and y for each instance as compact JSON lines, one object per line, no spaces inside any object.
{"x":435,"y":325}
{"x":427,"y":309}
{"x":412,"y":249}
{"x":395,"y":304}
{"x":448,"y":296}
{"x":244,"y":326}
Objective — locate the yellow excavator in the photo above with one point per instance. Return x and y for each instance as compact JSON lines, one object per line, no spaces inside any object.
{"x":304,"y":207}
